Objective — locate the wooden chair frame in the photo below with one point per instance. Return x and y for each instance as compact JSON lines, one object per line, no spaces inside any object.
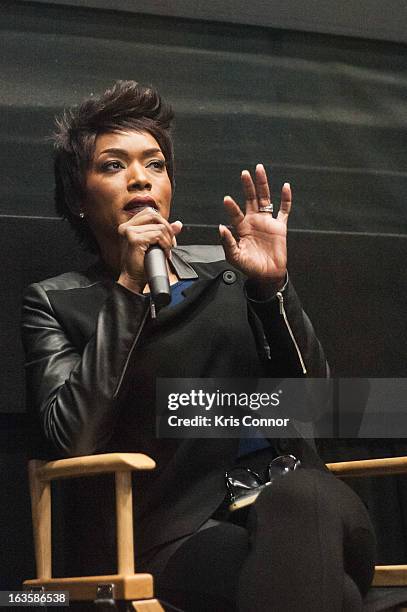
{"x":385,"y":575}
{"x":128,"y":585}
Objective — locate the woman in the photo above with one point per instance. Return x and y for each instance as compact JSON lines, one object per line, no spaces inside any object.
{"x":94,"y":353}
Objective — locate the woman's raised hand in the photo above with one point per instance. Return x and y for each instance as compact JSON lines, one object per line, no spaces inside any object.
{"x":260,"y":250}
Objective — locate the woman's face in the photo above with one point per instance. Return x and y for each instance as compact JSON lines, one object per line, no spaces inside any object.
{"x":127,"y":173}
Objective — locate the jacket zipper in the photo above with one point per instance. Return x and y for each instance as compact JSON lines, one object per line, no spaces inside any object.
{"x":140,"y":329}
{"x":284,"y":314}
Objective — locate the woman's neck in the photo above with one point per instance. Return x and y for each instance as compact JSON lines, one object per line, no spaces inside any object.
{"x":112,"y":261}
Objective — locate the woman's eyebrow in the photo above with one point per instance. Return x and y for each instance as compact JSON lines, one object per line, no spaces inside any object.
{"x":152,"y":151}
{"x":125,"y":153}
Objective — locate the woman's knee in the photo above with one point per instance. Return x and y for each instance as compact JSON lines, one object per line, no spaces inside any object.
{"x":296,"y":491}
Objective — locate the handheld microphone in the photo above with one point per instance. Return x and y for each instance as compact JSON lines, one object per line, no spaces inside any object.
{"x":155,"y":266}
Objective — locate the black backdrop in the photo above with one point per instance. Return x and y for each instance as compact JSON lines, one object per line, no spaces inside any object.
{"x":327,"y":113}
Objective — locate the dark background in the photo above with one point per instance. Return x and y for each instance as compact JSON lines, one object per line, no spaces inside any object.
{"x":250,"y":82}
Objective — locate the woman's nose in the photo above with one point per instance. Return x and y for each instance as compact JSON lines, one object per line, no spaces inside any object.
{"x":138,"y":178}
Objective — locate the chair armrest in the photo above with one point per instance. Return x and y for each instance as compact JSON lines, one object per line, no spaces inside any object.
{"x":369,"y":467}
{"x":92,"y":465}
{"x":42,"y":472}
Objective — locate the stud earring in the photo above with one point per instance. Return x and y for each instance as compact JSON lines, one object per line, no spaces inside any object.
{"x":82,"y":215}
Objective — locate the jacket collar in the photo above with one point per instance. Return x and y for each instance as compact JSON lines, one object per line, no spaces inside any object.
{"x":203,"y":261}
{"x":199,"y":256}
{"x":182,"y":268}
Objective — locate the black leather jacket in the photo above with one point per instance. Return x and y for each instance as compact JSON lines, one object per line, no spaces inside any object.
{"x":93,"y":354}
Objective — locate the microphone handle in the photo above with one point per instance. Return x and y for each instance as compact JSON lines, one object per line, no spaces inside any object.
{"x":155,"y":266}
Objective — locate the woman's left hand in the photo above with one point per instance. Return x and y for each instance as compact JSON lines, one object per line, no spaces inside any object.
{"x":261,"y":250}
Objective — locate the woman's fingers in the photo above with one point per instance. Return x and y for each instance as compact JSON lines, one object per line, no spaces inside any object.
{"x":147,"y":219}
{"x":230,"y":245}
{"x":145,"y":216}
{"x":145,"y":229}
{"x":249,"y":191}
{"x":176,"y":228}
{"x":262,"y":187}
{"x":146,"y":235}
{"x":286,"y":202}
{"x":233,"y":210}
{"x":257,"y":195}
{"x":257,"y":192}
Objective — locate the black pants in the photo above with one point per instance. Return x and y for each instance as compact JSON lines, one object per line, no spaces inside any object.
{"x":307,"y":546}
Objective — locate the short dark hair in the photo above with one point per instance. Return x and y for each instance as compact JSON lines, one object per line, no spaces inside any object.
{"x":126,"y":105}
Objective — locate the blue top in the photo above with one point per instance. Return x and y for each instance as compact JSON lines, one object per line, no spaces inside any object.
{"x":176,"y":291}
{"x":246,"y":445}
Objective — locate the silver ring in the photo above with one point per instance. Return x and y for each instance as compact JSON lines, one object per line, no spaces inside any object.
{"x":266,"y":209}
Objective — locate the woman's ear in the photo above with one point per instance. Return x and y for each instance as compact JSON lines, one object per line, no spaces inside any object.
{"x":76,"y":207}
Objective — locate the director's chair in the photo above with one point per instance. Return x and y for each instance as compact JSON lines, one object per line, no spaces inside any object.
{"x":135,"y":590}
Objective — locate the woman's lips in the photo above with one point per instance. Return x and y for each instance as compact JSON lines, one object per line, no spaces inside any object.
{"x":137,"y":204}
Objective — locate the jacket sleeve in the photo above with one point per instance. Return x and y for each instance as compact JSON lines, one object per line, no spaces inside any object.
{"x":290,"y":341}
{"x":76,"y":397}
